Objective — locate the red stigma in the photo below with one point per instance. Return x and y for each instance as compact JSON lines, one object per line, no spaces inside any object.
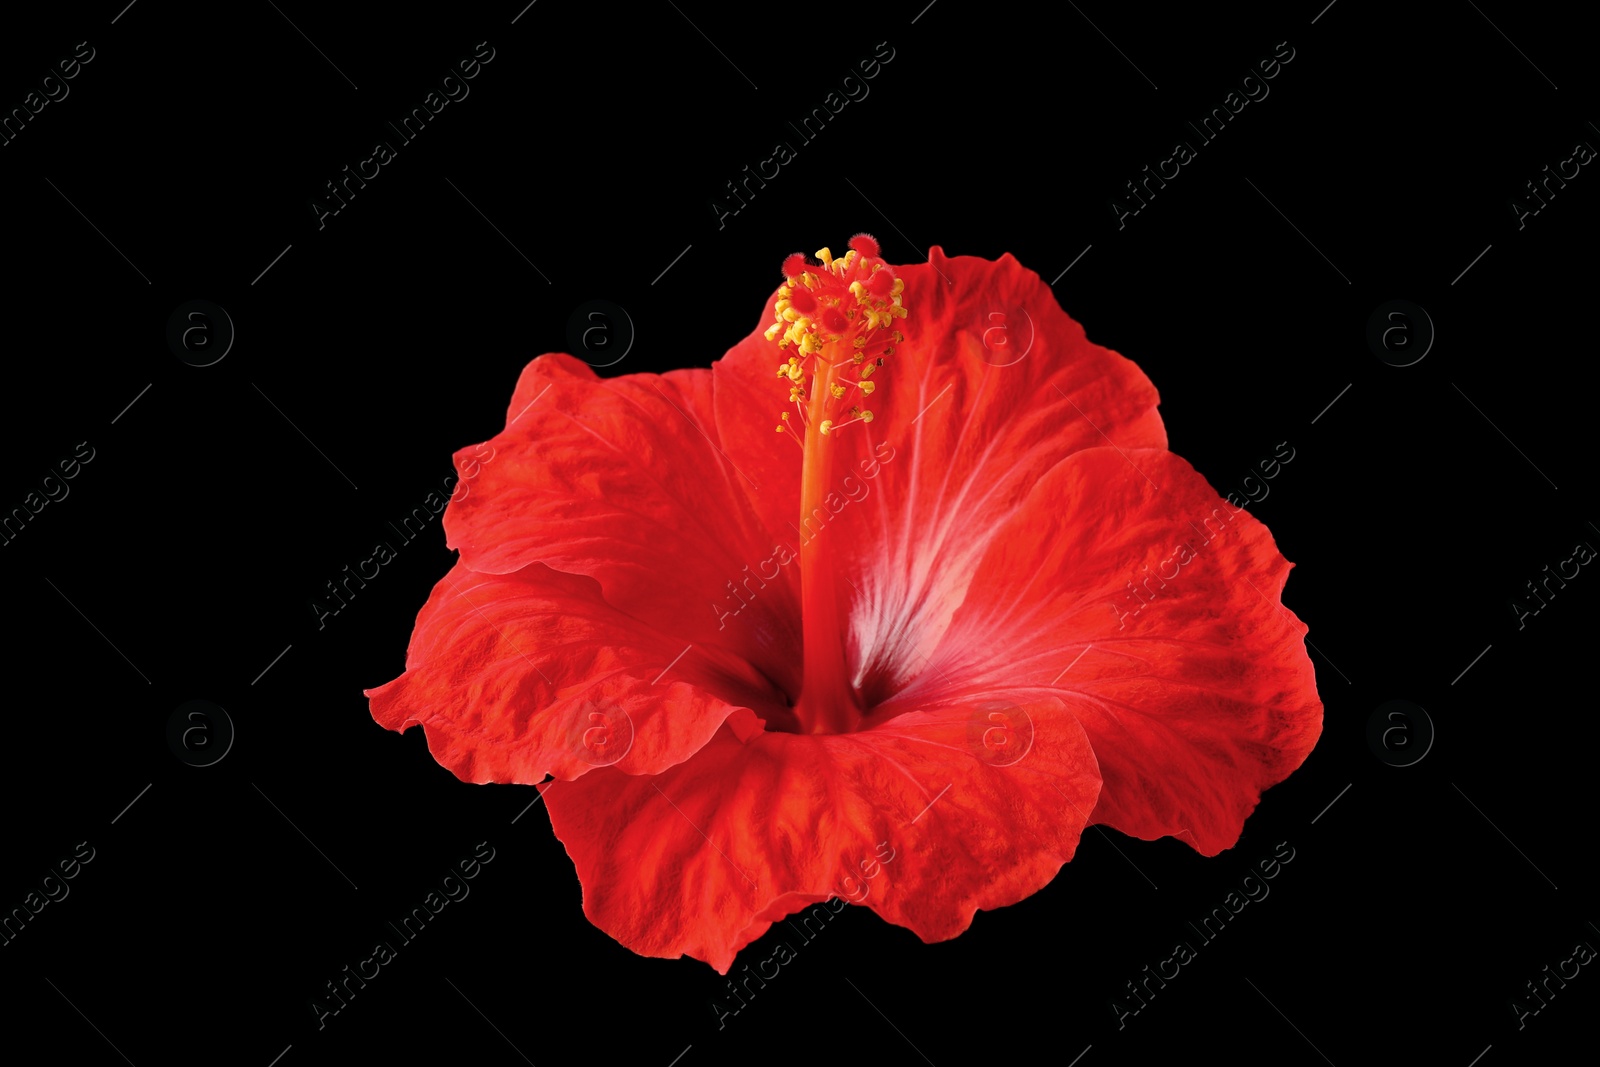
{"x":866,"y":244}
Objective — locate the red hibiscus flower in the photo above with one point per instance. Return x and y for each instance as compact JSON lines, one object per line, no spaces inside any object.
{"x":961,"y":605}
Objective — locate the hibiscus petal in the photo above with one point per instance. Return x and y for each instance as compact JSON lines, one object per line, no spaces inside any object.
{"x":994,"y":386}
{"x":624,"y":480}
{"x":515,"y":676}
{"x":704,"y":857}
{"x":1127,"y":587}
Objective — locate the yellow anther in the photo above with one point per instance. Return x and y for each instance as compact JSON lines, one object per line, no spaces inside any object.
{"x":840,"y":293}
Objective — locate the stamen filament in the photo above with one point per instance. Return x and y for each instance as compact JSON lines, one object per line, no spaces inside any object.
{"x":829,"y":328}
{"x":827,"y":704}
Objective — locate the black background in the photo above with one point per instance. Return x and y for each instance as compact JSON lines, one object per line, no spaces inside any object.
{"x":185,"y":559}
